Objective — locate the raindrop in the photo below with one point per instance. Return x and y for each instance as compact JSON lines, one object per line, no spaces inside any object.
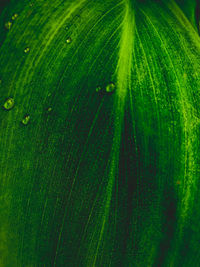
{"x":26,"y":50}
{"x":26,"y":120}
{"x":14,"y":16}
{"x":8,"y":25}
{"x":9,"y":104}
{"x":110,"y":88}
{"x":69,"y":40}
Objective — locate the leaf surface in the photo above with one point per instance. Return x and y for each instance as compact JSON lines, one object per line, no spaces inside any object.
{"x":93,"y":177}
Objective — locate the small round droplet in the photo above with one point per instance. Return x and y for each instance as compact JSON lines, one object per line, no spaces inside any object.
{"x":69,"y":40}
{"x":110,"y":88}
{"x":26,"y":120}
{"x":8,"y":25}
{"x":98,"y":89}
{"x":26,"y":50}
{"x":14,"y":16}
{"x":49,"y":109}
{"x":9,"y":104}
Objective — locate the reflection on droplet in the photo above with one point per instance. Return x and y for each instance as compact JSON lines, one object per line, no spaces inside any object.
{"x":26,"y":50}
{"x":8,"y":25}
{"x":9,"y":104}
{"x":26,"y":120}
{"x":69,"y":40}
{"x":110,"y":88}
{"x":14,"y":16}
{"x":98,"y":89}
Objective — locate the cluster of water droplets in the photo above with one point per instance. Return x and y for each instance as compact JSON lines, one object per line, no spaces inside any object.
{"x":26,"y":50}
{"x":8,"y":26}
{"x":9,"y":23}
{"x":110,"y":88}
{"x":72,"y":26}
{"x":9,"y":104}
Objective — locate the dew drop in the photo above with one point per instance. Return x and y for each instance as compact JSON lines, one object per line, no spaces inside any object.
{"x":9,"y":104}
{"x":110,"y":88}
{"x":8,"y":25}
{"x":49,"y":109}
{"x":26,"y":120}
{"x":14,"y":16}
{"x":69,"y":40}
{"x":26,"y":50}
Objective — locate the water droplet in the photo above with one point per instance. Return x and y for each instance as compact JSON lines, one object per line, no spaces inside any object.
{"x":26,"y":50}
{"x":49,"y":109}
{"x":26,"y":120}
{"x":98,"y":89}
{"x":69,"y":40}
{"x":9,"y":104}
{"x":110,"y":88}
{"x":8,"y":25}
{"x":14,"y":16}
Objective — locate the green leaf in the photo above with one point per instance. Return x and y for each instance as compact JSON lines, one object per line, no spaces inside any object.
{"x":100,"y":150}
{"x":189,"y":7}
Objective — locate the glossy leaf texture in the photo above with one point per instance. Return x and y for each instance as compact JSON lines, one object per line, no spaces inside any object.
{"x":99,"y":139}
